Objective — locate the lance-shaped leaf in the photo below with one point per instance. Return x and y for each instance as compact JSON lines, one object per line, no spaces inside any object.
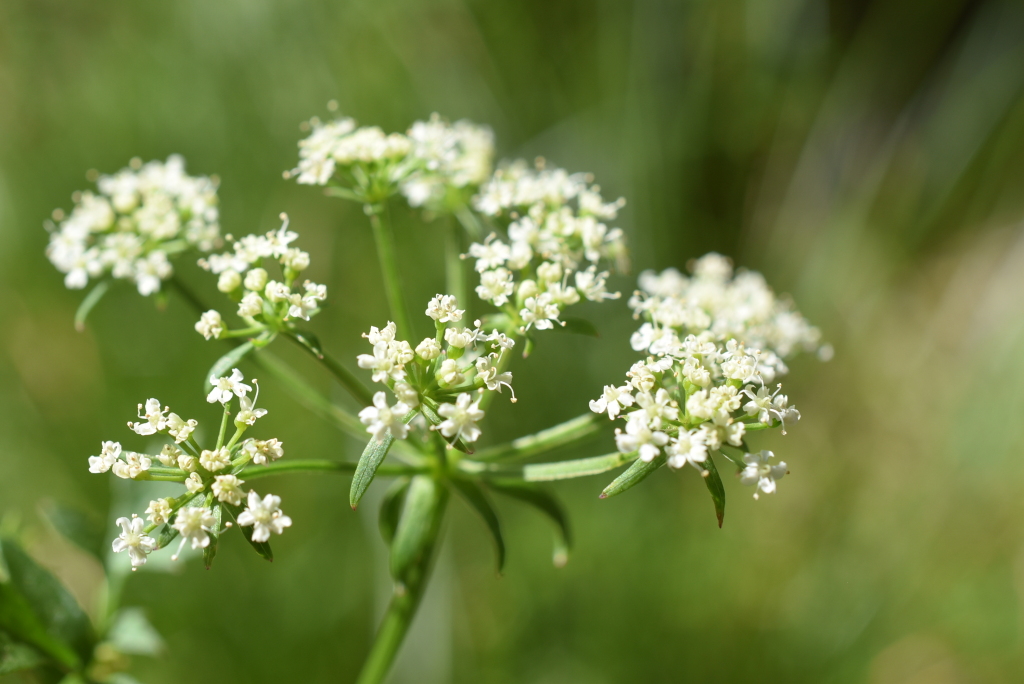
{"x":210,"y":552}
{"x":633,"y":475}
{"x":715,"y":486}
{"x":563,"y":470}
{"x":391,"y":509}
{"x":366,"y":469}
{"x":36,"y":609}
{"x":80,"y":529}
{"x":15,"y":656}
{"x":417,"y":527}
{"x":546,"y":503}
{"x":90,"y":301}
{"x":262,"y":548}
{"x":225,"y":363}
{"x":431,"y":415}
{"x":579,"y":326}
{"x":476,"y":498}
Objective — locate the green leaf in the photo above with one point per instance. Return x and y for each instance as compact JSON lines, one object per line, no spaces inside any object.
{"x":91,"y":300}
{"x":132,"y":633}
{"x":210,"y":552}
{"x":309,"y":341}
{"x":578,"y":326}
{"x":476,"y":498}
{"x":262,"y":548}
{"x":717,"y":489}
{"x":633,"y":475}
{"x":431,"y":415}
{"x":546,"y":503}
{"x":15,"y":656}
{"x":563,"y":470}
{"x":35,"y":608}
{"x":227,"y":362}
{"x":391,"y":509}
{"x":418,"y":525}
{"x":77,"y":527}
{"x":366,"y":469}
{"x":166,"y":536}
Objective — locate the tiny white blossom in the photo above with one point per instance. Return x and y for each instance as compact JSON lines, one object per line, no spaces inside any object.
{"x":262,"y":451}
{"x":159,"y":511}
{"x":496,"y":286}
{"x":264,"y":516}
{"x":277,"y":292}
{"x":133,"y":540}
{"x":168,"y":456}
{"x":539,"y":312}
{"x":380,"y":418}
{"x":444,"y":309}
{"x":194,"y":483}
{"x":132,"y":466}
{"x":251,"y":305}
{"x":180,"y":429}
{"x":613,"y":399}
{"x":153,"y":419}
{"x":487,"y":371}
{"x":224,"y":388}
{"x":109,"y":455}
{"x":255,"y":280}
{"x":640,"y":438}
{"x":407,"y":394}
{"x":194,"y":524}
{"x":210,"y":325}
{"x":218,"y":459}
{"x":460,"y":337}
{"x":229,"y":281}
{"x":228,"y":489}
{"x":188,"y":462}
{"x":429,"y":349}
{"x":761,"y":473}
{"x":462,"y":417}
{"x":688,"y":447}
{"x":450,"y":374}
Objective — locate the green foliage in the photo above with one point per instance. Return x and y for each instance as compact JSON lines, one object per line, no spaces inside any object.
{"x":479,"y":502}
{"x":79,"y":528}
{"x":373,"y":456}
{"x":545,"y":502}
{"x":633,"y":475}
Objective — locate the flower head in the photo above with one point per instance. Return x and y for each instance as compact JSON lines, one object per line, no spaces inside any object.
{"x":264,"y":516}
{"x":133,"y":540}
{"x":462,"y":417}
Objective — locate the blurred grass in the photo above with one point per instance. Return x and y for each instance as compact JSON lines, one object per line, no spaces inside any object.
{"x":866,"y":156}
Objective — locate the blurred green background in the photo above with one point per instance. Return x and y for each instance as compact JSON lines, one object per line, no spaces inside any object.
{"x":868,"y":157}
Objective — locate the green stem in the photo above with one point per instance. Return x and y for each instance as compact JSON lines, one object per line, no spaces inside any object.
{"x":402,"y":609}
{"x":470,"y":222}
{"x":385,"y":240}
{"x":455,"y":267}
{"x":307,"y":466}
{"x":563,"y":434}
{"x":348,"y":380}
{"x":223,"y":425}
{"x":187,"y":294}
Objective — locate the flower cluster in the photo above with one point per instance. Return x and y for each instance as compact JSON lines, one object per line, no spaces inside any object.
{"x":138,"y":218}
{"x":704,"y":384}
{"x":211,"y":479}
{"x":263,"y":303}
{"x":432,"y":165}
{"x":557,"y":242}
{"x":439,"y":378}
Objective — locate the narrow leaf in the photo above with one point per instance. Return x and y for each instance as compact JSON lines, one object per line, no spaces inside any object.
{"x":547,"y":504}
{"x":132,"y":633}
{"x":366,"y":469}
{"x":391,"y":509}
{"x":476,"y":498}
{"x":262,"y":548}
{"x":37,"y":609}
{"x":78,"y":528}
{"x":91,"y":300}
{"x":166,"y":536}
{"x":633,"y":475}
{"x":578,"y":326}
{"x":227,"y":362}
{"x":210,"y":552}
{"x":563,"y":470}
{"x":418,"y":526}
{"x":717,"y":489}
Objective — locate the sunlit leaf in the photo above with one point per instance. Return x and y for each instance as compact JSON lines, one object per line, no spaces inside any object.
{"x":581,"y":467}
{"x":366,"y":469}
{"x":633,"y":475}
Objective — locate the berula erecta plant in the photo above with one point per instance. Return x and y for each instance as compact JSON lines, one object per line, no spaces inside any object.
{"x":535,"y":240}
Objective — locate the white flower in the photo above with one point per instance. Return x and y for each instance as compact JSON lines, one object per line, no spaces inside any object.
{"x":153,"y":419}
{"x":496,"y":286}
{"x":380,"y":418}
{"x":194,"y":483}
{"x":194,"y":524}
{"x":491,"y":254}
{"x":179,"y":428}
{"x":760,"y":473}
{"x":657,"y":407}
{"x":264,"y":516}
{"x":592,"y":285}
{"x":688,"y":447}
{"x":277,"y":292}
{"x":460,"y":337}
{"x":382,"y":363}
{"x":188,"y":462}
{"x":247,"y":413}
{"x":132,"y":466}
{"x":429,"y":349}
{"x":210,"y":325}
{"x":640,"y":438}
{"x":224,"y":388}
{"x":159,"y":511}
{"x":168,"y":456}
{"x":229,"y":281}
{"x":407,"y":394}
{"x":539,"y":312}
{"x":450,"y":374}
{"x":251,"y":305}
{"x":462,"y":417}
{"x":386,"y":334}
{"x":444,"y":309}
{"x":487,"y":371}
{"x":262,"y":451}
{"x":133,"y":540}
{"x":109,"y":454}
{"x":228,"y":489}
{"x":295,"y":259}
{"x":255,"y":280}
{"x":613,"y":399}
{"x":302,"y":307}
{"x":218,"y":459}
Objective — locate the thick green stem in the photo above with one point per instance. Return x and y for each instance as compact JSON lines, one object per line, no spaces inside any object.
{"x":343,"y":375}
{"x":385,"y":240}
{"x":308,"y":466}
{"x":563,"y":434}
{"x":402,"y":608}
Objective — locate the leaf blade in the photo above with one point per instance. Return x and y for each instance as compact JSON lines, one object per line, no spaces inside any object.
{"x":545,"y":502}
{"x":391,"y":509}
{"x":633,"y":475}
{"x":418,"y":526}
{"x":562,"y":470}
{"x":373,"y":455}
{"x":479,"y":502}
{"x":714,"y":482}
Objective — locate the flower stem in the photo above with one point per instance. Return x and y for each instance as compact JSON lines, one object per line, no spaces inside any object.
{"x":455,"y":268}
{"x":563,"y":434}
{"x":347,"y":379}
{"x":385,"y":240}
{"x":308,"y":466}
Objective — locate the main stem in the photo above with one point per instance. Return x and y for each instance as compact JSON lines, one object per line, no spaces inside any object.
{"x":385,"y":240}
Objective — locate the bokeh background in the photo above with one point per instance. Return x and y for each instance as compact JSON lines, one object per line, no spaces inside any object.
{"x":867,"y":156}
